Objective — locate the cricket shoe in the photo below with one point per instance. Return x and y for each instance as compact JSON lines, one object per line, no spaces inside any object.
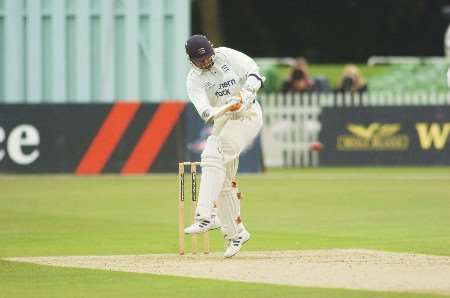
{"x":235,"y":244}
{"x":203,"y":225}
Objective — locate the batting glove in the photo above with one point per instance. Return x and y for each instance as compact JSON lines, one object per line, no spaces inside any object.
{"x":237,"y":102}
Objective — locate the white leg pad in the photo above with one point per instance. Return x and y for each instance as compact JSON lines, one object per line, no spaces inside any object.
{"x":228,"y":207}
{"x":213,"y":176}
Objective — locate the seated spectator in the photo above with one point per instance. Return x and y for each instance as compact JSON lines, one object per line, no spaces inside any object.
{"x":351,"y":80}
{"x":299,"y":79}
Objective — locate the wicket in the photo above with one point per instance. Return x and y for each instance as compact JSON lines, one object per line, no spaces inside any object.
{"x":181,"y":199}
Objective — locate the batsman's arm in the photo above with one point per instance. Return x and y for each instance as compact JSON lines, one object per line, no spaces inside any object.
{"x":197,"y":95}
{"x":221,"y":111}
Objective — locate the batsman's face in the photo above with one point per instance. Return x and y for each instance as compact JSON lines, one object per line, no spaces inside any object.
{"x":206,"y":63}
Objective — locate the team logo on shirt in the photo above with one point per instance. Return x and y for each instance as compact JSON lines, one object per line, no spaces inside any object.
{"x":225,"y":68}
{"x":223,"y":88}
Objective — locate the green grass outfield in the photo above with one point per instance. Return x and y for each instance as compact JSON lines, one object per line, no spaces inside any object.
{"x":393,"y":209}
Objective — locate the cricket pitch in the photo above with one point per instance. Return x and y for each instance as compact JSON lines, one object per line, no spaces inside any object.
{"x":328,"y":268}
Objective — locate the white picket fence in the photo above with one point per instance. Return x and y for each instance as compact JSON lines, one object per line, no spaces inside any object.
{"x":291,"y":121}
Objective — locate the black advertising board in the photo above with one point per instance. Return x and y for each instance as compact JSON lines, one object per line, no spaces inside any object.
{"x":125,"y":137}
{"x":393,"y":135}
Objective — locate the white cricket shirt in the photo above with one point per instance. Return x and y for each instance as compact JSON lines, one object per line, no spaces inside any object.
{"x":212,"y":87}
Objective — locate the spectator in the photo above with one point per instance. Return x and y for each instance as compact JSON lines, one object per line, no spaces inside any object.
{"x":299,"y":79}
{"x":351,"y":80}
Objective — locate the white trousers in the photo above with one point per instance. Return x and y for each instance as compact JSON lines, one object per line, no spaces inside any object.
{"x":234,"y":133}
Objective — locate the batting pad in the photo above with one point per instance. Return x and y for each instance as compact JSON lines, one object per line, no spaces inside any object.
{"x":228,"y":210}
{"x":213,"y":176}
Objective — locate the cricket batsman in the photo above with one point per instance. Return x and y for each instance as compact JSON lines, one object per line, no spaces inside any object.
{"x":222,"y":85}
